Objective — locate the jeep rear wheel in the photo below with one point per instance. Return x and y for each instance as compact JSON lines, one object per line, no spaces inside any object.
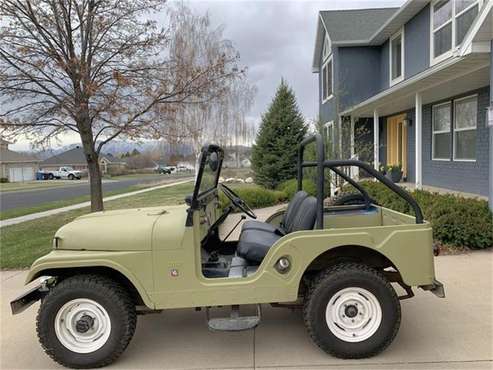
{"x":352,"y":311}
{"x":86,"y":321}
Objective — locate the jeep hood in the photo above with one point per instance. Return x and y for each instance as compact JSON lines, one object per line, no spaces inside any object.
{"x":122,"y":230}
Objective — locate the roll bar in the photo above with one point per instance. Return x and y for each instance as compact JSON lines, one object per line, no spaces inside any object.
{"x":333,"y":165}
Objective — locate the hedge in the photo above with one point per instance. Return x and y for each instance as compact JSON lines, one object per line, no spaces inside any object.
{"x":289,"y":187}
{"x":255,"y":196}
{"x":456,"y":221}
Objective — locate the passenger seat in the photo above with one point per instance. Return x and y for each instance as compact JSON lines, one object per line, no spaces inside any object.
{"x":254,"y":243}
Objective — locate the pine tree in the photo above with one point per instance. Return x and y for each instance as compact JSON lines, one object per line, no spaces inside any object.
{"x":274,"y":155}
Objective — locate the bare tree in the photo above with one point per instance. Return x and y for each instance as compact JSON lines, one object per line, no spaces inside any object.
{"x":99,"y":68}
{"x":222,"y":117}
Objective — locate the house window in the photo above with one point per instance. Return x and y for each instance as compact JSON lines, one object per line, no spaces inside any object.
{"x":465,"y":121}
{"x":461,"y":135}
{"x":327,"y":80}
{"x":330,"y":139}
{"x":441,"y":119}
{"x":326,"y":48}
{"x":450,"y":21}
{"x":397,"y":57}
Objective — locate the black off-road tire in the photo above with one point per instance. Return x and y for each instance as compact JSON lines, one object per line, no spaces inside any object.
{"x":51,"y":176}
{"x":331,"y":281}
{"x":109,"y":294}
{"x":71,"y":177}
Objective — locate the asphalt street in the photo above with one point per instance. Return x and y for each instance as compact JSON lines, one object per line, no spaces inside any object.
{"x":21,"y":199}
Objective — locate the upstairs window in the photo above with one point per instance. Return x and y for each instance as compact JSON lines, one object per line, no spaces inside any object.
{"x":450,"y":21}
{"x":397,"y":57}
{"x":326,"y":48}
{"x":327,"y":80}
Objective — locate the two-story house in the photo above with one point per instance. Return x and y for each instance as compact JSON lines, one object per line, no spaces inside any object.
{"x":415,"y":84}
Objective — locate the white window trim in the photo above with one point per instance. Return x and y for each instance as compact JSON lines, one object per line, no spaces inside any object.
{"x":401,"y":77}
{"x":454,"y":46}
{"x":433,"y":132}
{"x":463,"y":129}
{"x":327,"y":61}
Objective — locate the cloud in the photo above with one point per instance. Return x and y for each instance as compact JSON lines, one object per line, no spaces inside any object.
{"x":276,"y":39}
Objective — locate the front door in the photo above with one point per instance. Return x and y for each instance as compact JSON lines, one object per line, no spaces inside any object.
{"x":397,"y":142}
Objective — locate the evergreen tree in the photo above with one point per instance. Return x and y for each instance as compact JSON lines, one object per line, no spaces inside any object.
{"x":274,"y":155}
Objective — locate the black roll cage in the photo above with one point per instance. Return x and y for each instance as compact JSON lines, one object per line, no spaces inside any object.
{"x":321,"y":164}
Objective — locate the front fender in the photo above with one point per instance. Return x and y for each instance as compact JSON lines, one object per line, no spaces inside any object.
{"x":136,"y":266}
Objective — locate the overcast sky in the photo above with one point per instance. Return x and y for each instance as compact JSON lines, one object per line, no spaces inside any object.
{"x":275,"y":39}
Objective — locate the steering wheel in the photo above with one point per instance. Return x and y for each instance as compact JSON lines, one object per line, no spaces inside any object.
{"x":237,"y":201}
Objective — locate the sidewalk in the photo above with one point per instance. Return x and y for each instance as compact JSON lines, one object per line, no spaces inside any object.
{"x":51,"y":212}
{"x":451,"y":333}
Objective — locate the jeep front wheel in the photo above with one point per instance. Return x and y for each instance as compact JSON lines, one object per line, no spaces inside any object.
{"x":86,"y":321}
{"x":352,"y":311}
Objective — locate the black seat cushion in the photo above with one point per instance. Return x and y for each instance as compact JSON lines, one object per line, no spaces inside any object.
{"x":254,"y":244}
{"x":287,"y":219}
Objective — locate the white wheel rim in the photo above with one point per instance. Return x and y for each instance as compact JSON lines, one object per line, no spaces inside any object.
{"x":82,"y":325}
{"x":353,"y":314}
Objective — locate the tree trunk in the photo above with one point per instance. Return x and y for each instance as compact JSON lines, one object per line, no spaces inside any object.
{"x":92,"y":159}
{"x":95,"y":182}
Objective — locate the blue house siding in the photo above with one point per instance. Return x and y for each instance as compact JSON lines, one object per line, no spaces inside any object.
{"x":417,"y":43}
{"x":471,"y":177}
{"x":358,"y":76}
{"x":384,"y":66}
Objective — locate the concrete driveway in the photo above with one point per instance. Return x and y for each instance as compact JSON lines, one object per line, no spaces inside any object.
{"x":451,"y":333}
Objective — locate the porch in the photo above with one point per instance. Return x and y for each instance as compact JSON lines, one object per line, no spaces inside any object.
{"x":403,"y":130}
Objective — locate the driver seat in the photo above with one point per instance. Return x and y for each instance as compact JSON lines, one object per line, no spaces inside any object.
{"x":254,"y":243}
{"x":287,"y":220}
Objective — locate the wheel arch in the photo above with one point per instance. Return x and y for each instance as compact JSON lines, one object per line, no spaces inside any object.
{"x":134,"y":287}
{"x":349,"y":253}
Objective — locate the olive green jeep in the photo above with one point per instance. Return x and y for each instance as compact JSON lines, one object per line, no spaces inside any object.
{"x":334,"y":262}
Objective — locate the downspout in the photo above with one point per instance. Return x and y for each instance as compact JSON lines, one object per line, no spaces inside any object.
{"x":490,"y":125}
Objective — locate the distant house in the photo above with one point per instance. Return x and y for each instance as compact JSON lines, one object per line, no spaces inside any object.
{"x":76,"y":159}
{"x":413,"y":85}
{"x":16,"y":167}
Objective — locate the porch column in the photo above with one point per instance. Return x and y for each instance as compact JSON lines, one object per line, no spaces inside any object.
{"x":490,"y":124}
{"x":418,"y":124}
{"x":352,"y":136}
{"x":376,"y":140}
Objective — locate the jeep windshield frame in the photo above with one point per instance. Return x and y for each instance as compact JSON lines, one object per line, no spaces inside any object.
{"x":335,"y":166}
{"x":203,"y":162}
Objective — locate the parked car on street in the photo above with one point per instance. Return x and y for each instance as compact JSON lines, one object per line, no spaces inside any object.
{"x":64,"y":173}
{"x":336,"y":263}
{"x":165,"y":170}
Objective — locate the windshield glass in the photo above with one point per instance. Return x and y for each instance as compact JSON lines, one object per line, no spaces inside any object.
{"x":211,"y":166}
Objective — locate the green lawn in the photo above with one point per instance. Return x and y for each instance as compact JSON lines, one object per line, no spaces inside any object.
{"x":21,"y":244}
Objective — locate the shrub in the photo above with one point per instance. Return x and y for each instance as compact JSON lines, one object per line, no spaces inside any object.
{"x":4,"y":180}
{"x":290,"y":187}
{"x":255,"y":196}
{"x":456,"y":221}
